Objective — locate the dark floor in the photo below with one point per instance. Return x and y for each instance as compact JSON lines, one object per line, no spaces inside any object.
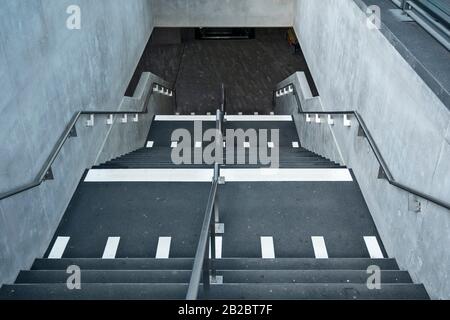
{"x":139,"y":213}
{"x":250,"y":70}
{"x":290,"y":212}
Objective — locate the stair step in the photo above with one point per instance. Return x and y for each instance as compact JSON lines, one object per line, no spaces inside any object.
{"x":114,"y":264}
{"x":94,"y":291}
{"x":221,"y":264}
{"x":315,"y":291}
{"x":304,"y":264}
{"x":230,"y":276}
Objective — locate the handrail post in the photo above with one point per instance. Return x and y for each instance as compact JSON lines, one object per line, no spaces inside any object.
{"x":206,"y":268}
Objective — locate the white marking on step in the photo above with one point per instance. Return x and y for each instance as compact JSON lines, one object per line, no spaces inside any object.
{"x":198,"y":144}
{"x":240,"y":113}
{"x":174,"y":144}
{"x":111,"y":248}
{"x":247,"y":145}
{"x":271,"y":145}
{"x":267,"y":248}
{"x":288,"y":175}
{"x":258,"y":118}
{"x":58,"y":248}
{"x":205,"y":175}
{"x":150,"y":144}
{"x":373,"y":247}
{"x":218,"y":248}
{"x":185,"y":118}
{"x":163,"y":250}
{"x":295,"y":145}
{"x":320,"y":249}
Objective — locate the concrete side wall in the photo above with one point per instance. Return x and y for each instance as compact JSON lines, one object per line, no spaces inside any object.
{"x":318,"y":139}
{"x":49,"y":72}
{"x":223,"y":13}
{"x":355,"y":67}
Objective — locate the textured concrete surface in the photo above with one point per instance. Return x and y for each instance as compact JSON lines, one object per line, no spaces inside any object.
{"x":48,"y":73}
{"x":429,"y":58}
{"x":223,"y":13}
{"x":357,"y":68}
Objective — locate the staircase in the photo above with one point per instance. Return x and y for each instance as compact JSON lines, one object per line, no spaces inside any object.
{"x":302,"y":232}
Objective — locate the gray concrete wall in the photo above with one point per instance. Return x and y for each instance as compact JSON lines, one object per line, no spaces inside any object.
{"x":356,"y":68}
{"x":49,"y":72}
{"x":223,"y":13}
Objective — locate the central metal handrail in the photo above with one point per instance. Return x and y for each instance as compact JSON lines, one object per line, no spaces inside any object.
{"x":204,"y":264}
{"x":203,"y":267}
{"x":70,"y":131}
{"x":384,"y":172}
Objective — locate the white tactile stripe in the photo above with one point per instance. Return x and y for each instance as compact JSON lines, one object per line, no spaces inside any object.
{"x":295,"y":145}
{"x":320,"y":249}
{"x":205,"y":175}
{"x":280,"y":175}
{"x":373,"y":247}
{"x":150,"y":144}
{"x":58,"y":248}
{"x":227,"y":117}
{"x":257,"y":118}
{"x":163,"y":249}
{"x":218,"y":248}
{"x":185,"y":118}
{"x":111,"y":248}
{"x":149,"y":175}
{"x":267,"y":248}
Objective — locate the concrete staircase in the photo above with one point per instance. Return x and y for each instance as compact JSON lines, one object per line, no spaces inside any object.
{"x":292,"y":212}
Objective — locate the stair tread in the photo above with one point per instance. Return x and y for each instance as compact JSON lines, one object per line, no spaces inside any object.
{"x":226,"y":264}
{"x":230,"y":276}
{"x":226,"y":291}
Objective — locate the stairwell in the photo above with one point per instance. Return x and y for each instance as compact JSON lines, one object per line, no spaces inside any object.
{"x":302,"y":231}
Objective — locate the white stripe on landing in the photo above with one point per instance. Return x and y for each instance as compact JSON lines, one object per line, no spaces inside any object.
{"x":373,"y":247}
{"x":111,"y":248}
{"x":149,"y":175}
{"x":267,"y":248}
{"x":218,"y":248}
{"x":320,"y":249}
{"x":205,"y":175}
{"x":58,"y":248}
{"x":185,"y":118}
{"x":281,"y":175}
{"x":163,"y":250}
{"x":257,"y":118}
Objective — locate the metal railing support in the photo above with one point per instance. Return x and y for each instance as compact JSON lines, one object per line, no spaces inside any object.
{"x":363,"y":131}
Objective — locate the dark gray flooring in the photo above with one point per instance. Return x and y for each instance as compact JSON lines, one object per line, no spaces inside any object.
{"x":139,"y":213}
{"x":250,"y":70}
{"x":293,"y":212}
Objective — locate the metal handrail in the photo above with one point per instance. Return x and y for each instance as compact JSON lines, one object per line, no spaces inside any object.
{"x":384,"y":171}
{"x":70,"y":131}
{"x":202,"y":262}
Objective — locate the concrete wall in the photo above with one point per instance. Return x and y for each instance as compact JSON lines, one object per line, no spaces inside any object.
{"x":223,"y":13}
{"x":355,"y":67}
{"x":49,"y":72}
